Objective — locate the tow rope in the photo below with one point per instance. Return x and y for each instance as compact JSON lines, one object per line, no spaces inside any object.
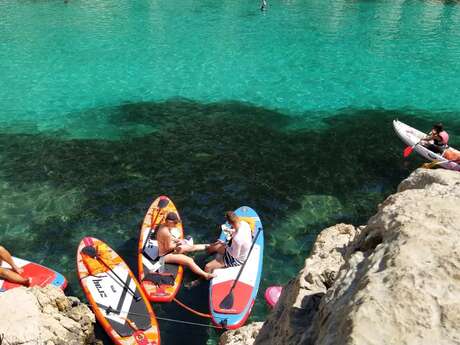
{"x":186,"y":307}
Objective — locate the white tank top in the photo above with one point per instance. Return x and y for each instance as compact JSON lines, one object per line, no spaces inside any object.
{"x":241,"y":242}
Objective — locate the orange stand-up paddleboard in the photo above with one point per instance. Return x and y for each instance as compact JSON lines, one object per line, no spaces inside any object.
{"x":161,"y":282}
{"x":115,"y":296}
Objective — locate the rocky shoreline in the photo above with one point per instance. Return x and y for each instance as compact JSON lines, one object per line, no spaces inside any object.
{"x":44,"y":316}
{"x":395,"y":280}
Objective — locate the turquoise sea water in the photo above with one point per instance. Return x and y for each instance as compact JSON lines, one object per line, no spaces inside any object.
{"x":105,"y":105}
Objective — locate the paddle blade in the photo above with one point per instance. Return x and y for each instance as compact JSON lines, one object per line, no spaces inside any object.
{"x":164,"y":201}
{"x":90,"y":251}
{"x":407,"y":151}
{"x":430,"y":165}
{"x":227,"y":302}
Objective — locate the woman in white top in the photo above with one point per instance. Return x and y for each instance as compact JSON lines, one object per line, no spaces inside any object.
{"x":236,"y":252}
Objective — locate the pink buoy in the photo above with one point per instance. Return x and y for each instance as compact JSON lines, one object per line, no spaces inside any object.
{"x":272,"y":295}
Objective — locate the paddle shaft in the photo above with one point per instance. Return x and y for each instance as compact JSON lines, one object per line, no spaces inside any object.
{"x":432,"y":164}
{"x":121,"y":280}
{"x":151,"y":228}
{"x":411,"y":148}
{"x":244,"y":263}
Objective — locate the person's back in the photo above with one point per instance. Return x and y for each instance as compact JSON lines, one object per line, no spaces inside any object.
{"x":241,"y":242}
{"x":165,"y":241}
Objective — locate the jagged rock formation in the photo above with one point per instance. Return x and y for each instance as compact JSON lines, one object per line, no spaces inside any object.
{"x":44,"y":316}
{"x":394,"y":281}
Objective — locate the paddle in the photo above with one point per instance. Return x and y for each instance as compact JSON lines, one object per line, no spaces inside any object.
{"x":227,"y":302}
{"x":434,"y":163}
{"x":162,"y":203}
{"x":92,"y":253}
{"x":408,"y":150}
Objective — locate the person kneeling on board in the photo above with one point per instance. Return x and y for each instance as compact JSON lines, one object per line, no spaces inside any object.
{"x":437,"y":139}
{"x":12,"y":275}
{"x":234,"y":252}
{"x":168,"y":248}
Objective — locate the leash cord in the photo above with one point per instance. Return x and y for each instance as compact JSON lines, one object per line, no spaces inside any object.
{"x":159,"y":318}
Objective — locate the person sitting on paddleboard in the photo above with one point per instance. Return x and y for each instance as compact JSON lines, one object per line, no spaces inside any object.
{"x":235,"y":253}
{"x":12,"y":275}
{"x":437,"y":139}
{"x":168,"y":244}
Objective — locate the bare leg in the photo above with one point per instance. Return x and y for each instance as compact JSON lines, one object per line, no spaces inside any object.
{"x":213,"y":264}
{"x":182,"y":259}
{"x":6,"y":256}
{"x":13,"y":277}
{"x":216,"y":247}
{"x":185,"y":248}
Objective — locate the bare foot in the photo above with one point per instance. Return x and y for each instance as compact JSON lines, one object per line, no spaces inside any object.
{"x":28,"y":282}
{"x":193,"y":283}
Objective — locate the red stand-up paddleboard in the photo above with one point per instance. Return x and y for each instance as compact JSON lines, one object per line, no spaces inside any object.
{"x":41,"y":276}
{"x":244,"y":280}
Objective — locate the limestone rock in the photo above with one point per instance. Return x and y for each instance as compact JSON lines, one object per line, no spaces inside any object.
{"x":303,"y":294}
{"x":394,"y":281}
{"x":44,"y":316}
{"x":244,"y":335}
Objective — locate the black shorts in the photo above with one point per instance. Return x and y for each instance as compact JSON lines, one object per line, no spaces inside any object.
{"x":229,"y":260}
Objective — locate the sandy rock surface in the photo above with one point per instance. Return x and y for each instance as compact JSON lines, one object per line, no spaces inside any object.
{"x":394,"y":281}
{"x":244,"y":335}
{"x":45,"y":316}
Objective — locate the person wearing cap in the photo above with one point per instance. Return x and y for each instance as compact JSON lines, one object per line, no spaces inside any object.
{"x":169,"y":246}
{"x":12,"y":275}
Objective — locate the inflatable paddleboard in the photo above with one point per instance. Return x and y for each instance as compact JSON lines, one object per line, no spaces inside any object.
{"x":272,"y":295}
{"x":160,"y":285}
{"x":245,"y":291}
{"x":115,"y":296}
{"x":41,"y":276}
{"x":411,"y":136}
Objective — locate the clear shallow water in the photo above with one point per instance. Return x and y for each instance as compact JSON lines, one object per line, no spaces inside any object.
{"x":106,"y":105}
{"x":58,"y":59}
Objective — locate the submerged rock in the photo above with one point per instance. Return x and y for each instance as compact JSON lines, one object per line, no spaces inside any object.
{"x":393,"y":281}
{"x":44,"y":316}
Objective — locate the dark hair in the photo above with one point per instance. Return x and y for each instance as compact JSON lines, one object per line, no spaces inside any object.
{"x":438,"y":127}
{"x":231,"y":217}
{"x":172,"y":216}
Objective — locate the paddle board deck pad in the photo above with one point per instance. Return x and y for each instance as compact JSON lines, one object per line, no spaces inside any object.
{"x":41,"y":276}
{"x":246,"y":288}
{"x":159,"y":287}
{"x":411,"y":136}
{"x":272,"y":295}
{"x":115,"y":296}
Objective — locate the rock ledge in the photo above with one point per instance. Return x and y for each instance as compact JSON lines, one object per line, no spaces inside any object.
{"x":394,"y":281}
{"x":44,"y":316}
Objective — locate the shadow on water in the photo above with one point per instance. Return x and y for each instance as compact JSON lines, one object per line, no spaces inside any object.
{"x":208,"y":158}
